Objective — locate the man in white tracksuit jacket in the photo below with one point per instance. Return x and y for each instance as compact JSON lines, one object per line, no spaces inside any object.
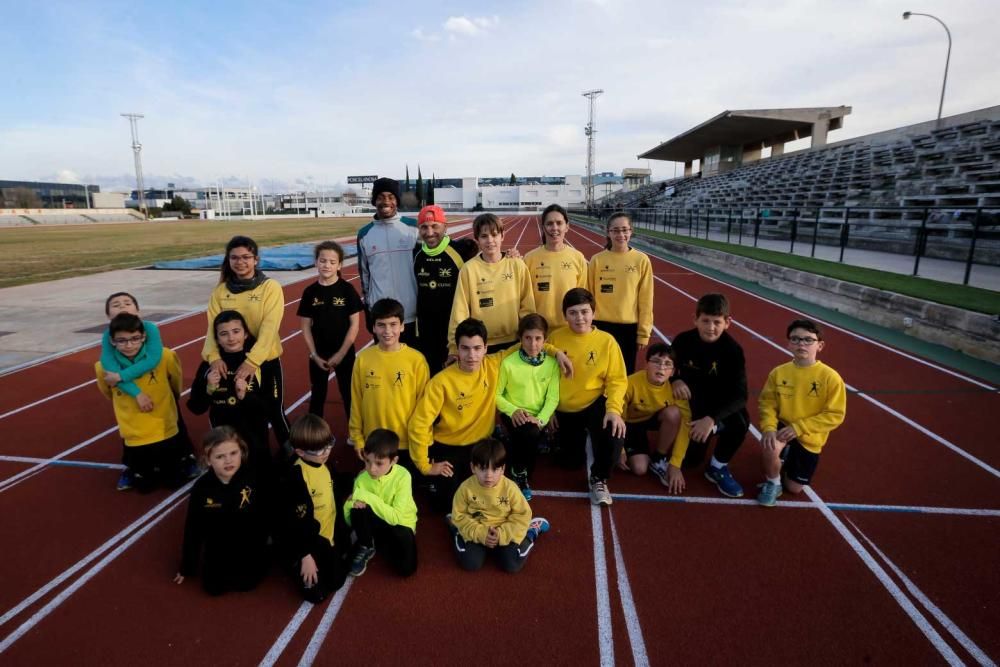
{"x":385,"y":256}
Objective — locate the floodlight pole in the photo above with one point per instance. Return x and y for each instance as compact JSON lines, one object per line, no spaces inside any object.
{"x":589,"y":130}
{"x":133,"y":119}
{"x":947,"y":60}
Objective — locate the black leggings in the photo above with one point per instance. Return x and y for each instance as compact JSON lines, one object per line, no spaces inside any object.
{"x":319,"y":379}
{"x":510,"y":557}
{"x":273,"y":384}
{"x":524,"y":441}
{"x":396,"y":543}
{"x":626,"y":335}
{"x":730,"y":436}
{"x":572,"y":439}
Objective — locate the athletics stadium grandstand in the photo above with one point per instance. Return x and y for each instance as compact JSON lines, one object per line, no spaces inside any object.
{"x":930,"y":189}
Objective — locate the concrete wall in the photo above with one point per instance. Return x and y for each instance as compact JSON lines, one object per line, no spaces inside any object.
{"x":975,"y":334}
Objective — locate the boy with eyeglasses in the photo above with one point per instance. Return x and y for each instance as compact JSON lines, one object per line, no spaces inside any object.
{"x":307,"y":513}
{"x":650,"y":405}
{"x":156,"y":449}
{"x":802,"y":401}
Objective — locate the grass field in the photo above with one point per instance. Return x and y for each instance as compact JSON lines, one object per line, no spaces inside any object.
{"x":37,"y":254}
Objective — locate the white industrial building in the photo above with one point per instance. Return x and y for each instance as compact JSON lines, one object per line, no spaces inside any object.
{"x":529,"y":197}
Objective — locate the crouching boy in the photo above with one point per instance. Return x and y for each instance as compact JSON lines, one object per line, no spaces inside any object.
{"x":802,"y":401}
{"x":307,"y":512}
{"x":381,"y":509}
{"x":490,"y":515}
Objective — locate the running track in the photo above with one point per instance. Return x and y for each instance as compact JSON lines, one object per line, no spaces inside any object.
{"x":890,"y":558}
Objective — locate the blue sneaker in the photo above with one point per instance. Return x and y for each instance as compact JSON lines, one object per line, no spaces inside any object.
{"x":537,"y":526}
{"x":360,"y":562}
{"x":724,"y":481}
{"x":521,"y":479}
{"x":126,"y":480}
{"x":769,"y":494}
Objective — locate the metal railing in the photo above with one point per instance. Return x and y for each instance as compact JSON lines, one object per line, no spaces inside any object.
{"x":966,"y":235}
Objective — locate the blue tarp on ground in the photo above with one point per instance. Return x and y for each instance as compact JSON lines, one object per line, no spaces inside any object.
{"x":293,"y":257}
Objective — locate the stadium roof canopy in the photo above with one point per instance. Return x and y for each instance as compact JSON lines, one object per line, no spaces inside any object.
{"x":751,"y":128}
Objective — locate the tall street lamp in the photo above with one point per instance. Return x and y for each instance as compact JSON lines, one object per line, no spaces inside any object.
{"x":947,"y":60}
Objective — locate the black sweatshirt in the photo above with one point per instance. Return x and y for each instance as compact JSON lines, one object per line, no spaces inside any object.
{"x":715,"y":372}
{"x":229,"y":522}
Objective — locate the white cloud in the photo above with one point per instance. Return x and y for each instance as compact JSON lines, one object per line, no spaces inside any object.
{"x":463,"y":25}
{"x":420,"y":35}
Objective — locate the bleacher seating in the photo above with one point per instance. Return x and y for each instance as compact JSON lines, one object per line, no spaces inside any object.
{"x":954,"y":167}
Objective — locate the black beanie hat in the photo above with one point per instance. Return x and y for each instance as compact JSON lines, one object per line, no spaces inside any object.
{"x":385,"y":185}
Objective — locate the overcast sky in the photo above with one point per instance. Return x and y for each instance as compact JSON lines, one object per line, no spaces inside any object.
{"x":303,"y":94}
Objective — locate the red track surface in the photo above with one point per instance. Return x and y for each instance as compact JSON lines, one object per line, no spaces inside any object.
{"x":664,"y":582}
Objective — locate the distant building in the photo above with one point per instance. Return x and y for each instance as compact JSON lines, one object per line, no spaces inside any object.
{"x":34,"y":194}
{"x":496,"y":194}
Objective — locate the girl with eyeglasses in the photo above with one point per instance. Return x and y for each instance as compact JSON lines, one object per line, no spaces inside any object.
{"x":621,"y":280}
{"x":243,"y":287}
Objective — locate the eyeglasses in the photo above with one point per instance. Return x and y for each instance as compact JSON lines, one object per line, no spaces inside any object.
{"x":660,"y":362}
{"x":132,"y":340}
{"x":241,"y":258}
{"x":322,"y":450}
{"x":620,"y":230}
{"x":802,"y":340}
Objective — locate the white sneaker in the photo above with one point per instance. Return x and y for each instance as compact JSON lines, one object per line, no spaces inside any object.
{"x":659,"y":468}
{"x":599,"y":494}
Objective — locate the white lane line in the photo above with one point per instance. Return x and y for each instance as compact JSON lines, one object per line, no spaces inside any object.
{"x":325,"y":623}
{"x":853,"y":334}
{"x":934,"y":610}
{"x":51,"y":397}
{"x":605,"y":636}
{"x":639,"y":656}
{"x":936,"y":640}
{"x":8,"y":482}
{"x":40,"y":615}
{"x":287,"y":634}
{"x":77,"y":464}
{"x":83,"y":562}
{"x":788,"y":504}
{"x":877,"y":403}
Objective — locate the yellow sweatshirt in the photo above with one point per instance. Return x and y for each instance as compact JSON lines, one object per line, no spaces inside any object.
{"x":498,"y":294}
{"x":622,"y":285}
{"x":475,"y":509}
{"x":552,"y":275}
{"x":812,"y":400}
{"x":598,"y":369}
{"x":262,"y":308}
{"x":644,"y":399}
{"x":385,"y":387}
{"x":163,"y":386}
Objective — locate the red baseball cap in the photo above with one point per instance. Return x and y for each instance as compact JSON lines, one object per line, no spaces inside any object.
{"x":431,"y":213}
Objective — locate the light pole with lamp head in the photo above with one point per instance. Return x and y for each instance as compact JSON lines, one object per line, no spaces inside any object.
{"x":947,"y":60}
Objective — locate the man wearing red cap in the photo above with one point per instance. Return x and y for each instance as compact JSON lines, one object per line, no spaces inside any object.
{"x":384,"y":256}
{"x":436,"y":263}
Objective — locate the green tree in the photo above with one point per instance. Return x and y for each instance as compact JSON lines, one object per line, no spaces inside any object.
{"x":420,"y":187}
{"x":430,"y":190}
{"x":513,"y":179}
{"x":178,"y":203}
{"x":406,"y":185}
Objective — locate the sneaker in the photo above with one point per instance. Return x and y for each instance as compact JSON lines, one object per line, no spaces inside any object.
{"x":724,"y":481}
{"x":361,"y":558}
{"x":659,"y":468}
{"x":599,"y":494}
{"x":769,"y":494}
{"x":521,"y":478}
{"x":537,"y":526}
{"x":126,"y":480}
{"x":452,"y":528}
{"x":190,"y":468}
